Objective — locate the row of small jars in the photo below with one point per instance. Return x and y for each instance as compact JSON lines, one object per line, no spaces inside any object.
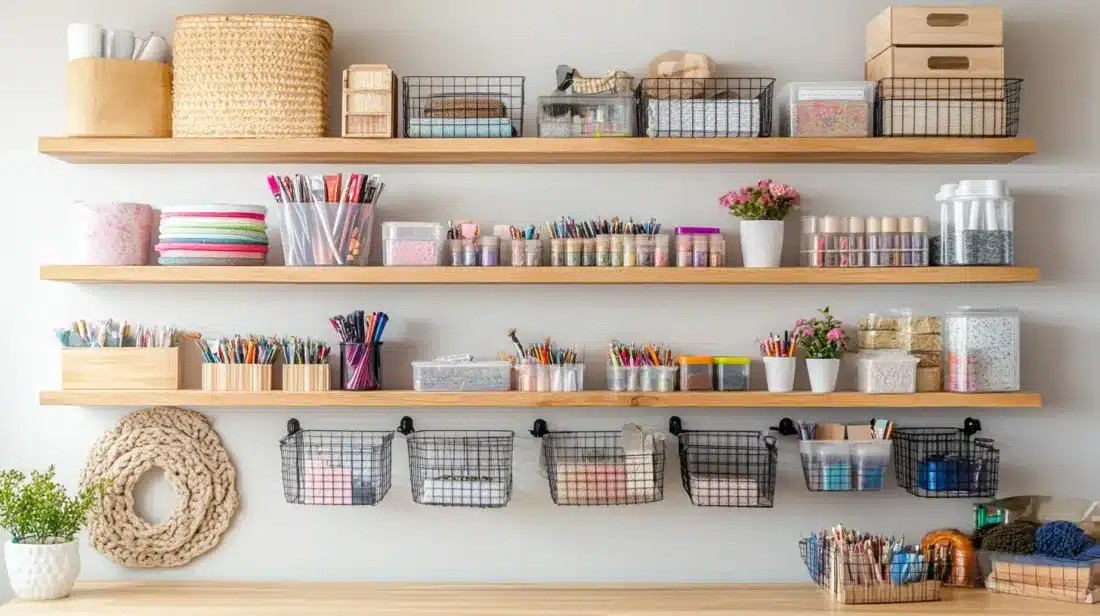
{"x":858,"y":241}
{"x":620,"y":250}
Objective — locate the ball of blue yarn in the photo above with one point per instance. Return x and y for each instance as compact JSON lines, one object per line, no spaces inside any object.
{"x":1061,"y":539}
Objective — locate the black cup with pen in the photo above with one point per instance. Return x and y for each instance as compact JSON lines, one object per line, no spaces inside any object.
{"x":360,"y":349}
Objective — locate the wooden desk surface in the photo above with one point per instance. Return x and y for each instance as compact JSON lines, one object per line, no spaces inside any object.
{"x":330,"y":599}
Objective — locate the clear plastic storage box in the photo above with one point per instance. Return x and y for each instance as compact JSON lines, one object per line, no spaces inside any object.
{"x":845,"y":466}
{"x":828,"y":109}
{"x":976,"y":223}
{"x":587,"y":115}
{"x":886,"y":372}
{"x":732,"y":373}
{"x":982,"y":349}
{"x":462,"y":376}
{"x":412,"y":243}
{"x":696,"y":373}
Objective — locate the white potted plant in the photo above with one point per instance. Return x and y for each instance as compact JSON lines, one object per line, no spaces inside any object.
{"x":42,"y":557}
{"x":761,"y":209}
{"x":824,"y":342}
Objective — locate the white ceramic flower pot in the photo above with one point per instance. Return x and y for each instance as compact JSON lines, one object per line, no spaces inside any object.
{"x":822,"y":374}
{"x":38,"y":572}
{"x":780,"y":373}
{"x":761,"y":242}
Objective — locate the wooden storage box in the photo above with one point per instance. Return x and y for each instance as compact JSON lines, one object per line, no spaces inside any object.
{"x":236,"y":377}
{"x":370,"y":101}
{"x":937,"y":63}
{"x":1072,"y":582}
{"x":306,"y":377}
{"x":120,"y":368}
{"x":839,"y":588}
{"x":111,"y":97}
{"x":935,"y":26}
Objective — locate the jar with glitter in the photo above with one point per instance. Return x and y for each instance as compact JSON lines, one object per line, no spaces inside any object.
{"x":891,"y":247}
{"x":807,"y":251}
{"x":831,"y":232}
{"x":412,"y":243}
{"x":716,"y":250}
{"x":517,"y":252}
{"x":661,"y":250}
{"x":700,"y":249}
{"x":683,"y":249}
{"x":617,"y":250}
{"x":630,"y":251}
{"x":489,"y":250}
{"x":456,"y":252}
{"x":983,"y":350}
{"x":905,"y":242}
{"x":112,"y":233}
{"x":469,"y":252}
{"x":827,"y":109}
{"x":574,"y":252}
{"x":589,"y":252}
{"x":857,"y":241}
{"x":874,"y":241}
{"x":557,"y":252}
{"x":919,"y":241}
{"x":532,"y":252}
{"x":976,"y":224}
{"x":645,"y":249}
{"x":603,"y":251}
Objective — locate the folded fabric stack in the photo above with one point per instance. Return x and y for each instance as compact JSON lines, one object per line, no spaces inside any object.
{"x":213,"y":235}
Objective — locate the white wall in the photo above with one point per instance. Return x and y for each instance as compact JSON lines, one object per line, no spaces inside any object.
{"x":1051,"y":44}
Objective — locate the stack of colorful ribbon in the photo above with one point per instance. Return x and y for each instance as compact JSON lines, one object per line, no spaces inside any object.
{"x":213,"y":235}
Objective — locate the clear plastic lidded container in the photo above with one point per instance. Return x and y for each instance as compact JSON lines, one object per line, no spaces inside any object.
{"x":886,"y":372}
{"x":412,"y":243}
{"x":462,"y":376}
{"x":981,"y":350}
{"x":696,"y":373}
{"x":587,"y":115}
{"x":732,"y":373}
{"x":976,"y":225}
{"x":828,"y":109}
{"x":845,"y":466}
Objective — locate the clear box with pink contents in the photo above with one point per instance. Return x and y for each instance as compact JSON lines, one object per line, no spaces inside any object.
{"x":412,"y":243}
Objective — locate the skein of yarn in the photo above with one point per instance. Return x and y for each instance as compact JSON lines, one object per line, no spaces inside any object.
{"x":1061,"y":539}
{"x":1014,"y":538}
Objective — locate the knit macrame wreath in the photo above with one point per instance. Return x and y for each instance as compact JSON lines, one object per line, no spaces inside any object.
{"x":188,"y":450}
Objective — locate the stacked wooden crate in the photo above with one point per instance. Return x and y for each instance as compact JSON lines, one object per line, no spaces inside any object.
{"x":370,"y":101}
{"x":940,"y":71}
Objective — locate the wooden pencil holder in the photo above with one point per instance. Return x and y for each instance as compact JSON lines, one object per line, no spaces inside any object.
{"x":120,"y":368}
{"x":306,"y":377}
{"x":236,"y":377}
{"x":112,"y":97}
{"x":840,"y":587}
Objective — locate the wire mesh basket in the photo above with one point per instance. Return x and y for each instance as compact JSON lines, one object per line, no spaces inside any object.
{"x":706,"y":107}
{"x":860,"y":578}
{"x":844,"y":466}
{"x":1040,"y":577}
{"x":942,"y":107}
{"x":446,"y":107}
{"x":726,"y":468}
{"x":946,"y":462}
{"x":595,"y":468}
{"x":460,"y":468}
{"x":335,"y":467}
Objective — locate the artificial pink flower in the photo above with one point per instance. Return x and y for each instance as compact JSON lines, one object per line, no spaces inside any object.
{"x":800,"y":323}
{"x":807,"y":331}
{"x":835,"y":335}
{"x":783,"y":191}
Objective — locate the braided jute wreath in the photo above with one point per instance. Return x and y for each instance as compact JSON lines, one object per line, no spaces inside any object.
{"x":188,"y":450}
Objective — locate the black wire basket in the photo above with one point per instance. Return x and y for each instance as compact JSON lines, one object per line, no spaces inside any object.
{"x":593,"y":468}
{"x":946,"y":462}
{"x":853,"y":578}
{"x":947,"y":107}
{"x":335,"y":467}
{"x":844,"y":466}
{"x":461,"y":107}
{"x":706,"y":107}
{"x":459,"y":468}
{"x":726,"y":468}
{"x":1040,"y":577}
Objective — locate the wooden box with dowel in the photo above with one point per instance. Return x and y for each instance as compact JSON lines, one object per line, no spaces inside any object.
{"x":236,"y":377}
{"x":370,"y":102}
{"x":306,"y":377}
{"x":120,"y":368}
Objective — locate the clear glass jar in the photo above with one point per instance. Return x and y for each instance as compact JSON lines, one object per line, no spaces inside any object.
{"x":490,"y":250}
{"x":603,"y":250}
{"x":976,"y":225}
{"x":891,"y":255}
{"x":831,"y":233}
{"x":660,"y":250}
{"x":532,"y":252}
{"x":683,"y":249}
{"x":874,"y":241}
{"x":716,"y":250}
{"x":905,"y":242}
{"x":645,"y":249}
{"x":982,"y":349}
{"x":808,"y":255}
{"x":857,"y":241}
{"x":590,"y":254}
{"x":919,"y":241}
{"x":469,"y":253}
{"x":574,"y":249}
{"x":700,"y":249}
{"x":617,"y":250}
{"x":456,"y":252}
{"x":630,"y":251}
{"x":517,"y":252}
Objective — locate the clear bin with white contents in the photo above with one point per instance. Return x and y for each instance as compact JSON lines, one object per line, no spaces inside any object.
{"x":828,"y":109}
{"x":886,"y":372}
{"x":981,"y":350}
{"x":844,"y":466}
{"x":587,"y":115}
{"x":462,"y":376}
{"x":412,"y":243}
{"x":976,"y":225}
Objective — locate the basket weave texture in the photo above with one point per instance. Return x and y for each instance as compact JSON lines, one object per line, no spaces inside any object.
{"x":250,"y":76}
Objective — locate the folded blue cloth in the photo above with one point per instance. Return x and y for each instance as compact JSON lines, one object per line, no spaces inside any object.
{"x":473,"y":127}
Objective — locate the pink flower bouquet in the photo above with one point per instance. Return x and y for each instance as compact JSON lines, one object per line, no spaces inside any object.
{"x":821,"y":337}
{"x":766,"y":201}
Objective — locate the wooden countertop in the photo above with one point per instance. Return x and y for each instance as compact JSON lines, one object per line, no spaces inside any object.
{"x":330,"y":599}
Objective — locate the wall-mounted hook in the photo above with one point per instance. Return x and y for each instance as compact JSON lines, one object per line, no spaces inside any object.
{"x":971,"y":426}
{"x":293,"y":426}
{"x":540,"y":429}
{"x":786,"y":427}
{"x":406,"y":425}
{"x":675,"y":426}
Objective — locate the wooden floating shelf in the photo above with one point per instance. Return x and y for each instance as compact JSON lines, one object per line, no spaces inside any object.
{"x":882,"y":150}
{"x":516,"y":399}
{"x":155,"y":274}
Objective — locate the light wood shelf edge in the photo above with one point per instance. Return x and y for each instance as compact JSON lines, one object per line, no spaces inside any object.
{"x":531,"y":150}
{"x":132,"y":598}
{"x":512,"y":399}
{"x":537,"y":275}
